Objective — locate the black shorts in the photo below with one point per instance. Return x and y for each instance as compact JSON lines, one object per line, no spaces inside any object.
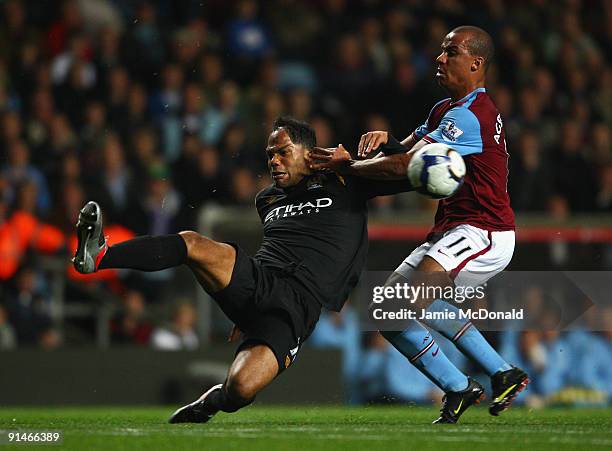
{"x":268,"y":306}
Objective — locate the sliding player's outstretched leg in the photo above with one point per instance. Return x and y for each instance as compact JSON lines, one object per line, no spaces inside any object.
{"x":92,"y":242}
{"x":255,"y":367}
{"x":210,"y":261}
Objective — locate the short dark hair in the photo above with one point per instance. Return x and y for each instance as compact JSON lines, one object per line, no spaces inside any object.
{"x":479,"y":43}
{"x":300,"y":132}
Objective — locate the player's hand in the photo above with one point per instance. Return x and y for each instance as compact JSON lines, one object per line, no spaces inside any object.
{"x":335,"y":159}
{"x":371,"y":141}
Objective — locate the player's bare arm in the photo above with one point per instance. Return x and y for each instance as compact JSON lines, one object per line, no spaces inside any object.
{"x":388,"y":167}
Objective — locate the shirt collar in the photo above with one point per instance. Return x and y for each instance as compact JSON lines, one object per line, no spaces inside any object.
{"x":473,"y":93}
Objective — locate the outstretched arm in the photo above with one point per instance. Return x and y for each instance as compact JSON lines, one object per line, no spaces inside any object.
{"x":388,"y":167}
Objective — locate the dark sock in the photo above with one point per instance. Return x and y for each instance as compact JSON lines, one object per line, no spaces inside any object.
{"x":220,"y":400}
{"x":146,"y":253}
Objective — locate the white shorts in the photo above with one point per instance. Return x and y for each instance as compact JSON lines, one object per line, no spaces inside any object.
{"x":470,"y":255}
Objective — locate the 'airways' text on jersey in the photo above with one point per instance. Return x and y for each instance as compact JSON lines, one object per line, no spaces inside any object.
{"x":298,"y":209}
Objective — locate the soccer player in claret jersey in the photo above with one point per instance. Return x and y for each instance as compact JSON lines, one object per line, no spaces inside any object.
{"x":313,"y":251}
{"x":473,"y":235}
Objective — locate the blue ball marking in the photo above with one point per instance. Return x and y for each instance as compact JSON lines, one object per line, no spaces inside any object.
{"x":429,"y":161}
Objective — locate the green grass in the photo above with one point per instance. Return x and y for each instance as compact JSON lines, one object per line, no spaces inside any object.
{"x":317,"y":428}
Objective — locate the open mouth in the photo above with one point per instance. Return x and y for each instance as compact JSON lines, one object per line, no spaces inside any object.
{"x":278,"y":175}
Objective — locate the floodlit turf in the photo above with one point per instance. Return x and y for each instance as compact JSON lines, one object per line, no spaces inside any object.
{"x":318,"y":428}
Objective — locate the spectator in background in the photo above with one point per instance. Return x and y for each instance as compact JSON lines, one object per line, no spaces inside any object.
{"x":218,"y":117}
{"x":20,"y":171}
{"x":95,"y":126}
{"x":352,"y":73}
{"x":21,"y":230}
{"x":114,"y":185}
{"x":69,"y":22}
{"x":600,"y":151}
{"x":131,"y":326}
{"x":145,"y":49}
{"x":137,"y":114}
{"x":116,"y":91}
{"x":403,"y":90}
{"x":42,"y":111}
{"x":12,"y":129}
{"x":243,"y":187}
{"x":77,"y":54}
{"x":62,"y":140}
{"x":50,"y":339}
{"x":323,"y":131}
{"x":8,"y":338}
{"x":604,"y":196}
{"x":158,"y":209}
{"x":76,"y":88}
{"x":296,"y":24}
{"x":190,"y":121}
{"x":143,"y":152}
{"x":574,"y":175}
{"x":211,"y":74}
{"x":187,"y":43}
{"x":248,"y":38}
{"x":237,"y":152}
{"x":27,"y":304}
{"x":180,"y":334}
{"x":201,"y":179}
{"x":70,"y":197}
{"x":108,"y":55}
{"x":167,"y":102}
{"x":531,"y":181}
{"x":300,"y":104}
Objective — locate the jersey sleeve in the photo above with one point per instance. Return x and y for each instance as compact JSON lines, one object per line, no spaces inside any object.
{"x":421,"y":130}
{"x":459,"y":129}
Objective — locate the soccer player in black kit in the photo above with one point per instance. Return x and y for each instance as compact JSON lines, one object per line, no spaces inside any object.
{"x":313,"y":251}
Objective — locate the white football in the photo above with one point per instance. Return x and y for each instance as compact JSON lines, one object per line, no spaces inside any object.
{"x":436,"y":170}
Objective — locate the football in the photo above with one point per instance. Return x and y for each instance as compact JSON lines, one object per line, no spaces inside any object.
{"x":436,"y":170}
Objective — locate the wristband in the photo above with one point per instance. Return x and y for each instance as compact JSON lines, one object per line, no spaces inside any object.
{"x":393,"y":146}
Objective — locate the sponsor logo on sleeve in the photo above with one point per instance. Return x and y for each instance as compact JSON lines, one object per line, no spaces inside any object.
{"x":451,"y":132}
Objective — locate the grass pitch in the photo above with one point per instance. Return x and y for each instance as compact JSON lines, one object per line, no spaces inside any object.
{"x":316,"y":428}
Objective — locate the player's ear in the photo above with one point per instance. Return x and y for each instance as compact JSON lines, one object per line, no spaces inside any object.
{"x":477,"y":63}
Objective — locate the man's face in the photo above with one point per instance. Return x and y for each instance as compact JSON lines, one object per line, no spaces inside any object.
{"x":455,"y":62}
{"x":285,"y":159}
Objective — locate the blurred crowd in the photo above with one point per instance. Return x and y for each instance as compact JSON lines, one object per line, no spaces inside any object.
{"x":156,"y":108}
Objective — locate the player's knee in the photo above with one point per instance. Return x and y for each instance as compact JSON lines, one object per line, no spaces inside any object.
{"x":199,"y":249}
{"x":240,"y":389}
{"x":192,"y":240}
